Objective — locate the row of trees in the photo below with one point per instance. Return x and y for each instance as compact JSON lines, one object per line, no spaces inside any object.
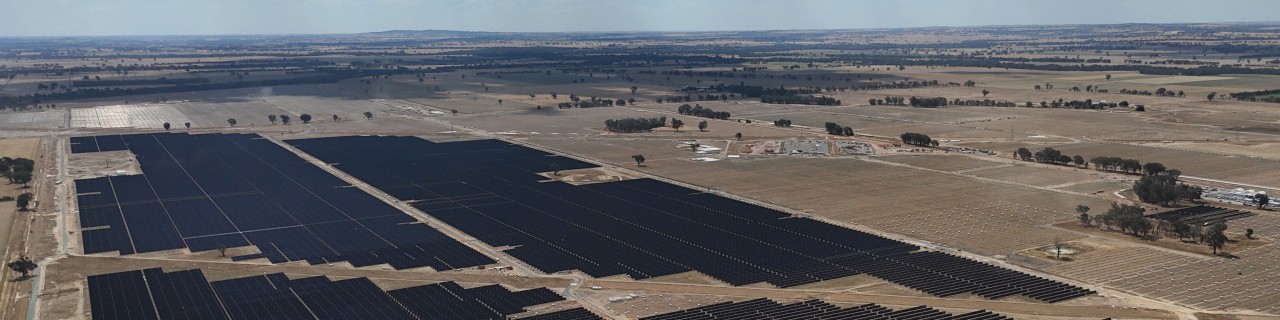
{"x":835,"y":129}
{"x":698,"y":111}
{"x":782,"y":123}
{"x":800,"y":99}
{"x":918,"y":139}
{"x":1272,"y":96}
{"x":1050,"y":156}
{"x":630,"y":125}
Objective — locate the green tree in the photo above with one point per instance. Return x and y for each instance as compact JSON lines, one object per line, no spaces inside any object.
{"x":284,"y":119}
{"x":676,"y":124}
{"x":166,"y":126}
{"x":702,"y":125}
{"x":1212,"y":95}
{"x":231,"y":122}
{"x":1024,"y":154}
{"x":639,"y":159}
{"x":1153,"y":168}
{"x":633,"y":90}
{"x":738,"y":136}
{"x":1262,"y":199}
{"x":985,"y":92}
{"x":1216,"y":239}
{"x":335,"y":118}
{"x":453,"y":111}
{"x":188,"y":124}
{"x":272,"y":118}
{"x":1108,"y":77}
{"x":24,"y":200}
{"x":368,"y":115}
{"x":22,"y":176}
{"x":306,"y":118}
{"x":1078,"y":160}
{"x":23,"y":265}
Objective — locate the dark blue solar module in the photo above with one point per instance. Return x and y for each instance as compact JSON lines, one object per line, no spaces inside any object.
{"x":211,"y":191}
{"x":121,"y":296}
{"x":762,"y":308}
{"x":83,"y":145}
{"x":155,"y":294}
{"x":645,"y":228}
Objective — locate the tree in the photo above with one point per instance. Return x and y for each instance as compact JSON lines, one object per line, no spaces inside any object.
{"x":702,"y":126}
{"x":1024,"y":154}
{"x":633,"y":90}
{"x":738,"y":136}
{"x":1153,"y":168}
{"x":24,"y":200}
{"x":284,"y":119}
{"x":1057,"y":248}
{"x":694,"y":146}
{"x":1212,"y":95}
{"x":1262,"y":199}
{"x":231,"y":122}
{"x":23,"y":265}
{"x":639,"y":159}
{"x":1078,"y":160}
{"x":1108,"y":77}
{"x":188,"y":124}
{"x":1216,"y":238}
{"x":22,"y":176}
{"x":222,"y":248}
{"x":306,"y":118}
{"x":368,"y":115}
{"x":166,"y":126}
{"x":1248,"y":233}
{"x":848,"y":131}
{"x":1083,"y":210}
{"x":985,"y":92}
{"x":335,"y":118}
{"x":453,"y":111}
{"x":555,"y":169}
{"x":676,"y":124}
{"x":271,"y":118}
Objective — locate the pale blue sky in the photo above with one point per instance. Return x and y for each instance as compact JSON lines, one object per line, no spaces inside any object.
{"x":204,"y":17}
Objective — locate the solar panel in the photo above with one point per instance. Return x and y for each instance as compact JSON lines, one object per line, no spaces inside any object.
{"x":210,"y":191}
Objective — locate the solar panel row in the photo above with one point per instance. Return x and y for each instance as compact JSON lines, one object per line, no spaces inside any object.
{"x":567,"y":314}
{"x":205,"y":192}
{"x":155,"y":294}
{"x":763,"y":308}
{"x":97,"y":144}
{"x":645,"y":228}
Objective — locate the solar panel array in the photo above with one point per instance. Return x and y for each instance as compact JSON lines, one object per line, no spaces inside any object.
{"x":815,"y":309}
{"x":97,"y":144}
{"x":154,"y":294}
{"x":645,"y":228}
{"x":209,"y":191}
{"x":1202,"y":214}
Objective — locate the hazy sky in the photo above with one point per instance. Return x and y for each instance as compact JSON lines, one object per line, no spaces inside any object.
{"x":202,"y":17}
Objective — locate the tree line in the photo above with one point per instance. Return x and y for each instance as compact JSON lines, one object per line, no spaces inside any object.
{"x":699,"y":111}
{"x":1272,"y":96}
{"x":631,"y":125}
{"x":918,"y":139}
{"x":834,"y":129}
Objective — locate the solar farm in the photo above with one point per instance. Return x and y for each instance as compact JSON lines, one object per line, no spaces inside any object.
{"x":504,"y":177}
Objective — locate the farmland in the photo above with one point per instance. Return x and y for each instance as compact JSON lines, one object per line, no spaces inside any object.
{"x":493,"y":169}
